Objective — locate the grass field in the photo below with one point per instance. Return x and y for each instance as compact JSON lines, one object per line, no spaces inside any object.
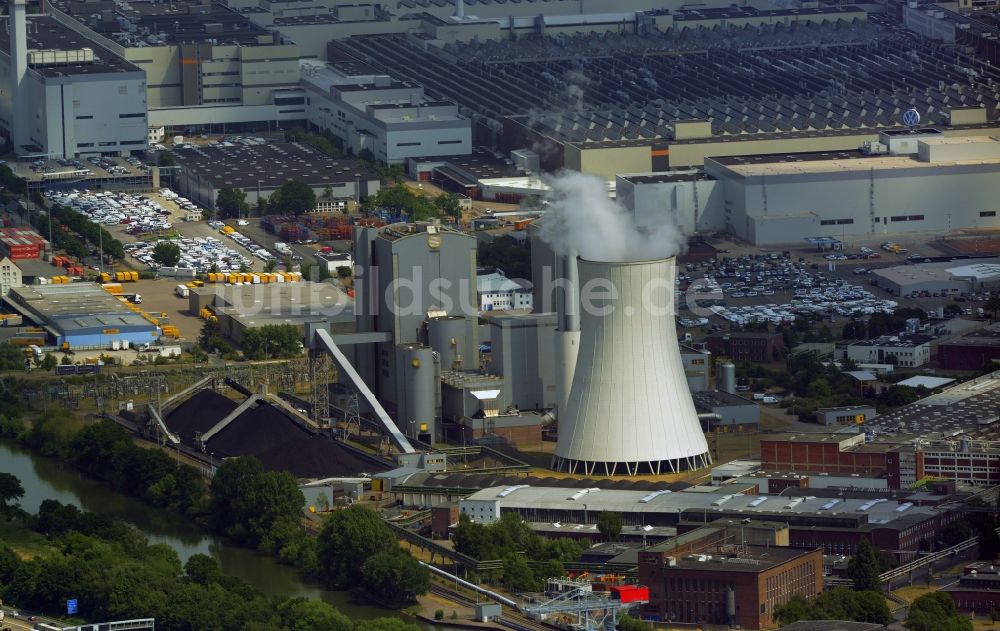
{"x":25,"y":543}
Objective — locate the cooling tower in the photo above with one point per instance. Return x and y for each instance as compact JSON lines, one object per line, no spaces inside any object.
{"x":629,"y":410}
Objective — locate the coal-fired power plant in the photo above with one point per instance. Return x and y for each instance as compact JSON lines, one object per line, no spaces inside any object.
{"x":629,"y":410}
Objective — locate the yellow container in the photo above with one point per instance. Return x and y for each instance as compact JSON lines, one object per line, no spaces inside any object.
{"x":105,"y":277}
{"x":134,"y":276}
{"x":112,"y":288}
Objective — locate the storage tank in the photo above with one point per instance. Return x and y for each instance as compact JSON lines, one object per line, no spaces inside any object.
{"x":416,"y":391}
{"x":725,"y":377}
{"x":629,"y":410}
{"x":451,"y":337}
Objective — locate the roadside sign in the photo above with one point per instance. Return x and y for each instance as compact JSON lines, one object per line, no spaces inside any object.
{"x":71,"y":606}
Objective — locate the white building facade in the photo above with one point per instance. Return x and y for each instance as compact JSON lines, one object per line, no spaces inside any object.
{"x":392,"y":119}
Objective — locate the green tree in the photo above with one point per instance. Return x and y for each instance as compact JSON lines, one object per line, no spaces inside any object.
{"x":272,"y":341}
{"x":819,"y":389}
{"x":247,"y":501}
{"x":9,"y":562}
{"x":385,"y":624}
{"x":449,"y":205}
{"x":302,"y":614}
{"x":609,"y":524}
{"x":167,"y":254}
{"x":507,"y":254}
{"x":797,"y":608}
{"x":517,"y":574}
{"x":231,"y":202}
{"x":936,"y":612}
{"x":49,"y":362}
{"x":270,"y":266}
{"x":394,"y":578}
{"x":11,"y":357}
{"x":293,"y":197}
{"x":863,"y":568}
{"x":628,"y":623}
{"x":10,"y":490}
{"x":348,"y":538}
{"x":166,"y":159}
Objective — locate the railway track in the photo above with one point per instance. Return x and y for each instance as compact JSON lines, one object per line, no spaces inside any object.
{"x":510,"y":619}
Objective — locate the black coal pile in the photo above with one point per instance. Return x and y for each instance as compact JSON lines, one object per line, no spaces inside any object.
{"x":270,"y":435}
{"x":199,"y":414}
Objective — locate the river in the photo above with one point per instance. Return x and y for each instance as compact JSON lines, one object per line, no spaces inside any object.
{"x":45,"y":478}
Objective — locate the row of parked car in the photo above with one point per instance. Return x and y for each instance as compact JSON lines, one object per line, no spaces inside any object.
{"x":139,"y":213}
{"x":202,"y":254}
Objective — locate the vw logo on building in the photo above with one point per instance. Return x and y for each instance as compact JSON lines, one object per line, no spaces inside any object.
{"x":911,"y":117}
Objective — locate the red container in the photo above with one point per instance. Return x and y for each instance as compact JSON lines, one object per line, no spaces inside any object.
{"x":630,"y":593}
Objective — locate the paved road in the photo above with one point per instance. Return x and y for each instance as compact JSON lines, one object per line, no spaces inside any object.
{"x":20,"y":622}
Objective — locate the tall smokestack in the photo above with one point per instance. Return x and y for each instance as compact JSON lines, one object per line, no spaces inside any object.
{"x":630,"y":410}
{"x":459,"y":9}
{"x":19,"y":119}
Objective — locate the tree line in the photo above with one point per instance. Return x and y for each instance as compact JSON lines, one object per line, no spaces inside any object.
{"x":513,"y":541}
{"x":256,"y":508}
{"x":71,"y":231}
{"x":115,"y":573}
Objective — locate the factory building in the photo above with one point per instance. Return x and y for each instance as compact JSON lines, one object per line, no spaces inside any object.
{"x":374,"y":112}
{"x":260,"y":170}
{"x":849,"y":415}
{"x":900,"y":186}
{"x":935,"y":277}
{"x":414,"y":287}
{"x":835,"y":524}
{"x":243,"y":307}
{"x":735,"y":413}
{"x":729,"y":584}
{"x":58,"y":104}
{"x":21,"y":243}
{"x":755,"y":346}
{"x":204,"y":63}
{"x":697,"y":362}
{"x":975,"y":351}
{"x":81,"y":314}
{"x":529,"y":375}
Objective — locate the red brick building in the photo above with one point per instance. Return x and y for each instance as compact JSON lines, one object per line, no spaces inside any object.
{"x":978,"y":589}
{"x":756,"y":346}
{"x":729,"y":585}
{"x":975,"y":351}
{"x":829,"y":453}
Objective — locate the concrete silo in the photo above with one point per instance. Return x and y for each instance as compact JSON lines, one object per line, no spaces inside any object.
{"x":629,"y":410}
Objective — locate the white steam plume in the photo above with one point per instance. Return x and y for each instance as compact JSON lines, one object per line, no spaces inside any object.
{"x":581,"y":218}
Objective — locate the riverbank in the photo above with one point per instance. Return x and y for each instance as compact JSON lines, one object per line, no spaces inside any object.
{"x":46,"y":478}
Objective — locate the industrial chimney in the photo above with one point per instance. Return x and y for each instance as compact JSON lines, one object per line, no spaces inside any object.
{"x":629,"y":410}
{"x":20,"y":120}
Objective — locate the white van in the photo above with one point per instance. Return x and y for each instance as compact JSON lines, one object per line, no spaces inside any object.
{"x":770,"y":399}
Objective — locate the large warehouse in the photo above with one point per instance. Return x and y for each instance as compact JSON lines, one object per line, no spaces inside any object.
{"x":81,"y":314}
{"x":908,"y":181}
{"x":259,"y":170}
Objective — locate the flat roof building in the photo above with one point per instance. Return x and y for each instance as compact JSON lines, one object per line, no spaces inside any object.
{"x":392,"y":119}
{"x":975,"y":351}
{"x":259,"y":170}
{"x":728,"y":584}
{"x":67,"y":87}
{"x":82,"y":314}
{"x":204,"y":63}
{"x":242,"y":307}
{"x":737,"y":414}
